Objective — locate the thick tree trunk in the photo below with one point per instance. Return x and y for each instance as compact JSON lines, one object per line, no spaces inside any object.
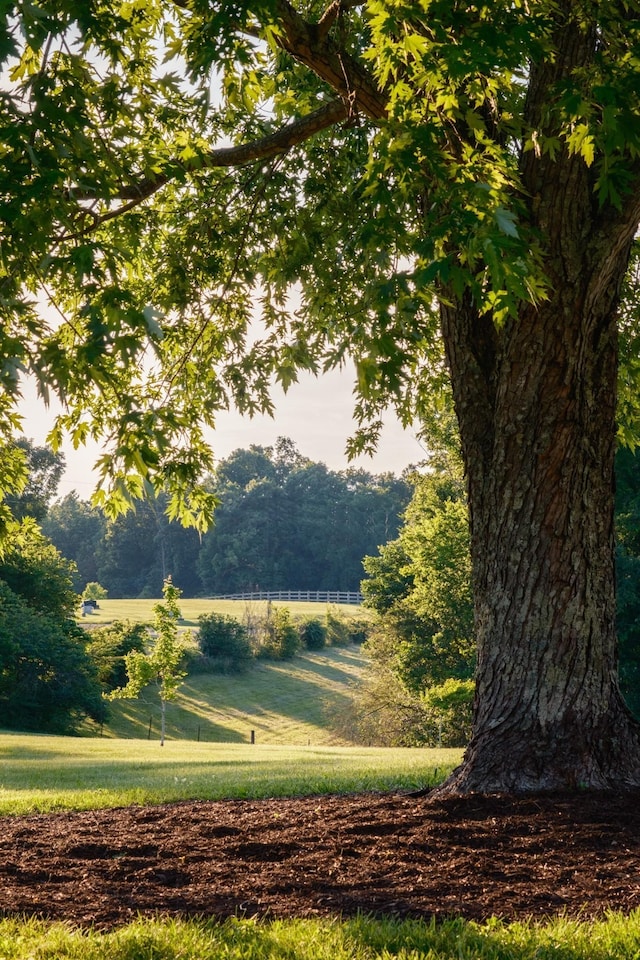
{"x":536,"y":406}
{"x":548,"y":709}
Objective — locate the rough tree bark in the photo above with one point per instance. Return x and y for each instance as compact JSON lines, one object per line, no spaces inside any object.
{"x":536,"y":403}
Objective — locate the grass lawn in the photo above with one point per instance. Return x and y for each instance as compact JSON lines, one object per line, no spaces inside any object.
{"x":47,"y":773}
{"x":142,"y":610}
{"x":364,"y":938}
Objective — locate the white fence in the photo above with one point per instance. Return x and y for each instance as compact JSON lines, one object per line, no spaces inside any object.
{"x":312,"y":596}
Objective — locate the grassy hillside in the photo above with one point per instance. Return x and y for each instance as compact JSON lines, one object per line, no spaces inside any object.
{"x":285,"y":702}
{"x":142,"y":610}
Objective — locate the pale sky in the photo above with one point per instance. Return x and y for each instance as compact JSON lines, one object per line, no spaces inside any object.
{"x":315,"y":414}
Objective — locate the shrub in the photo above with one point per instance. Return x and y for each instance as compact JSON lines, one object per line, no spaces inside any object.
{"x":280,"y":638}
{"x":359,"y":630}
{"x":381,"y":712}
{"x":338,"y":633}
{"x":313,"y":633}
{"x":224,"y":642}
{"x":108,"y":647}
{"x":449,"y":707}
{"x":93,"y":591}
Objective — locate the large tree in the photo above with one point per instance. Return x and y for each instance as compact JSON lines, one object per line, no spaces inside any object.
{"x":391,"y":180}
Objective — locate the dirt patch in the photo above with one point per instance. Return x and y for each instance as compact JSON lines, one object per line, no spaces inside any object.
{"x":375,"y":853}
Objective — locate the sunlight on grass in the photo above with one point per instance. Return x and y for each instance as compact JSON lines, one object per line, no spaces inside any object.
{"x":191,"y":609}
{"x":40,"y":773}
{"x":286,"y":702}
{"x":616,"y":938}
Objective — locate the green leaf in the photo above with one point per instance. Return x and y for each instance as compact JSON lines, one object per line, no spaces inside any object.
{"x":506,"y":221}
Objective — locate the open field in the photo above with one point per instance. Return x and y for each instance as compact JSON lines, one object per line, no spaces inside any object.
{"x":45,"y":773}
{"x":294,"y":847}
{"x":282,"y":702}
{"x":142,"y":610}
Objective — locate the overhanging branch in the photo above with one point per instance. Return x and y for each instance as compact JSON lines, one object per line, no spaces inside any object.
{"x":266,"y":148}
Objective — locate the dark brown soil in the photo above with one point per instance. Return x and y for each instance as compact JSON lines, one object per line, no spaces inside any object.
{"x":378,"y":854}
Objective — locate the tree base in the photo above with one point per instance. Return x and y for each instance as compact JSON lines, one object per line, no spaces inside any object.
{"x":606,"y":759}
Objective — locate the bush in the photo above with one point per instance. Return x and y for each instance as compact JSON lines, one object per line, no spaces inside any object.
{"x":108,"y":647}
{"x":280,"y":638}
{"x":382,"y":713}
{"x":93,"y":591}
{"x":224,"y":642}
{"x":313,"y":634}
{"x":449,"y":706}
{"x":359,"y":630}
{"x":338,"y":634}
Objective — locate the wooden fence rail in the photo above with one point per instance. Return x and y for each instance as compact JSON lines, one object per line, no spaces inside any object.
{"x":312,"y":596}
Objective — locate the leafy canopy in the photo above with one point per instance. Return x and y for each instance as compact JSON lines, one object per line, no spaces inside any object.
{"x":197,"y":200}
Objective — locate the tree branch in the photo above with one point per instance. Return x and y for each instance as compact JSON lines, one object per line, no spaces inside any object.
{"x":310,"y":45}
{"x":331,"y":14}
{"x":276,"y":143}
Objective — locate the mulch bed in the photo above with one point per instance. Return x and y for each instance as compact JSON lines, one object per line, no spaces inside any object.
{"x":399,"y":854}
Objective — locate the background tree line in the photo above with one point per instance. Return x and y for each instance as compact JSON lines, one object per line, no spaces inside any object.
{"x":283,"y":522}
{"x":418,"y":580}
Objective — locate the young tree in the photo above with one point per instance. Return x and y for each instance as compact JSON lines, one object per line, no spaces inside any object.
{"x":404,"y":168}
{"x":161,"y":664}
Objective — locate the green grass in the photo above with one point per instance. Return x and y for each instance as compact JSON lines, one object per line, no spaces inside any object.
{"x":286,"y":704}
{"x":142,"y":610}
{"x":283,"y":702}
{"x":47,"y":773}
{"x":616,"y":938}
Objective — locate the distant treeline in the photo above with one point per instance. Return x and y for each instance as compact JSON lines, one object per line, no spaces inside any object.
{"x":284,"y":522}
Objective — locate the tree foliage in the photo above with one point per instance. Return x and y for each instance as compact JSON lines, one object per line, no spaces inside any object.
{"x":77,"y":529}
{"x":283,"y":523}
{"x":161,"y":663}
{"x":108,"y":646}
{"x":420,"y":585}
{"x":48,"y":681}
{"x":44,"y":472}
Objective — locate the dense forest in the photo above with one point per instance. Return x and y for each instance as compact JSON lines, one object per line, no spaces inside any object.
{"x":284,"y":522}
